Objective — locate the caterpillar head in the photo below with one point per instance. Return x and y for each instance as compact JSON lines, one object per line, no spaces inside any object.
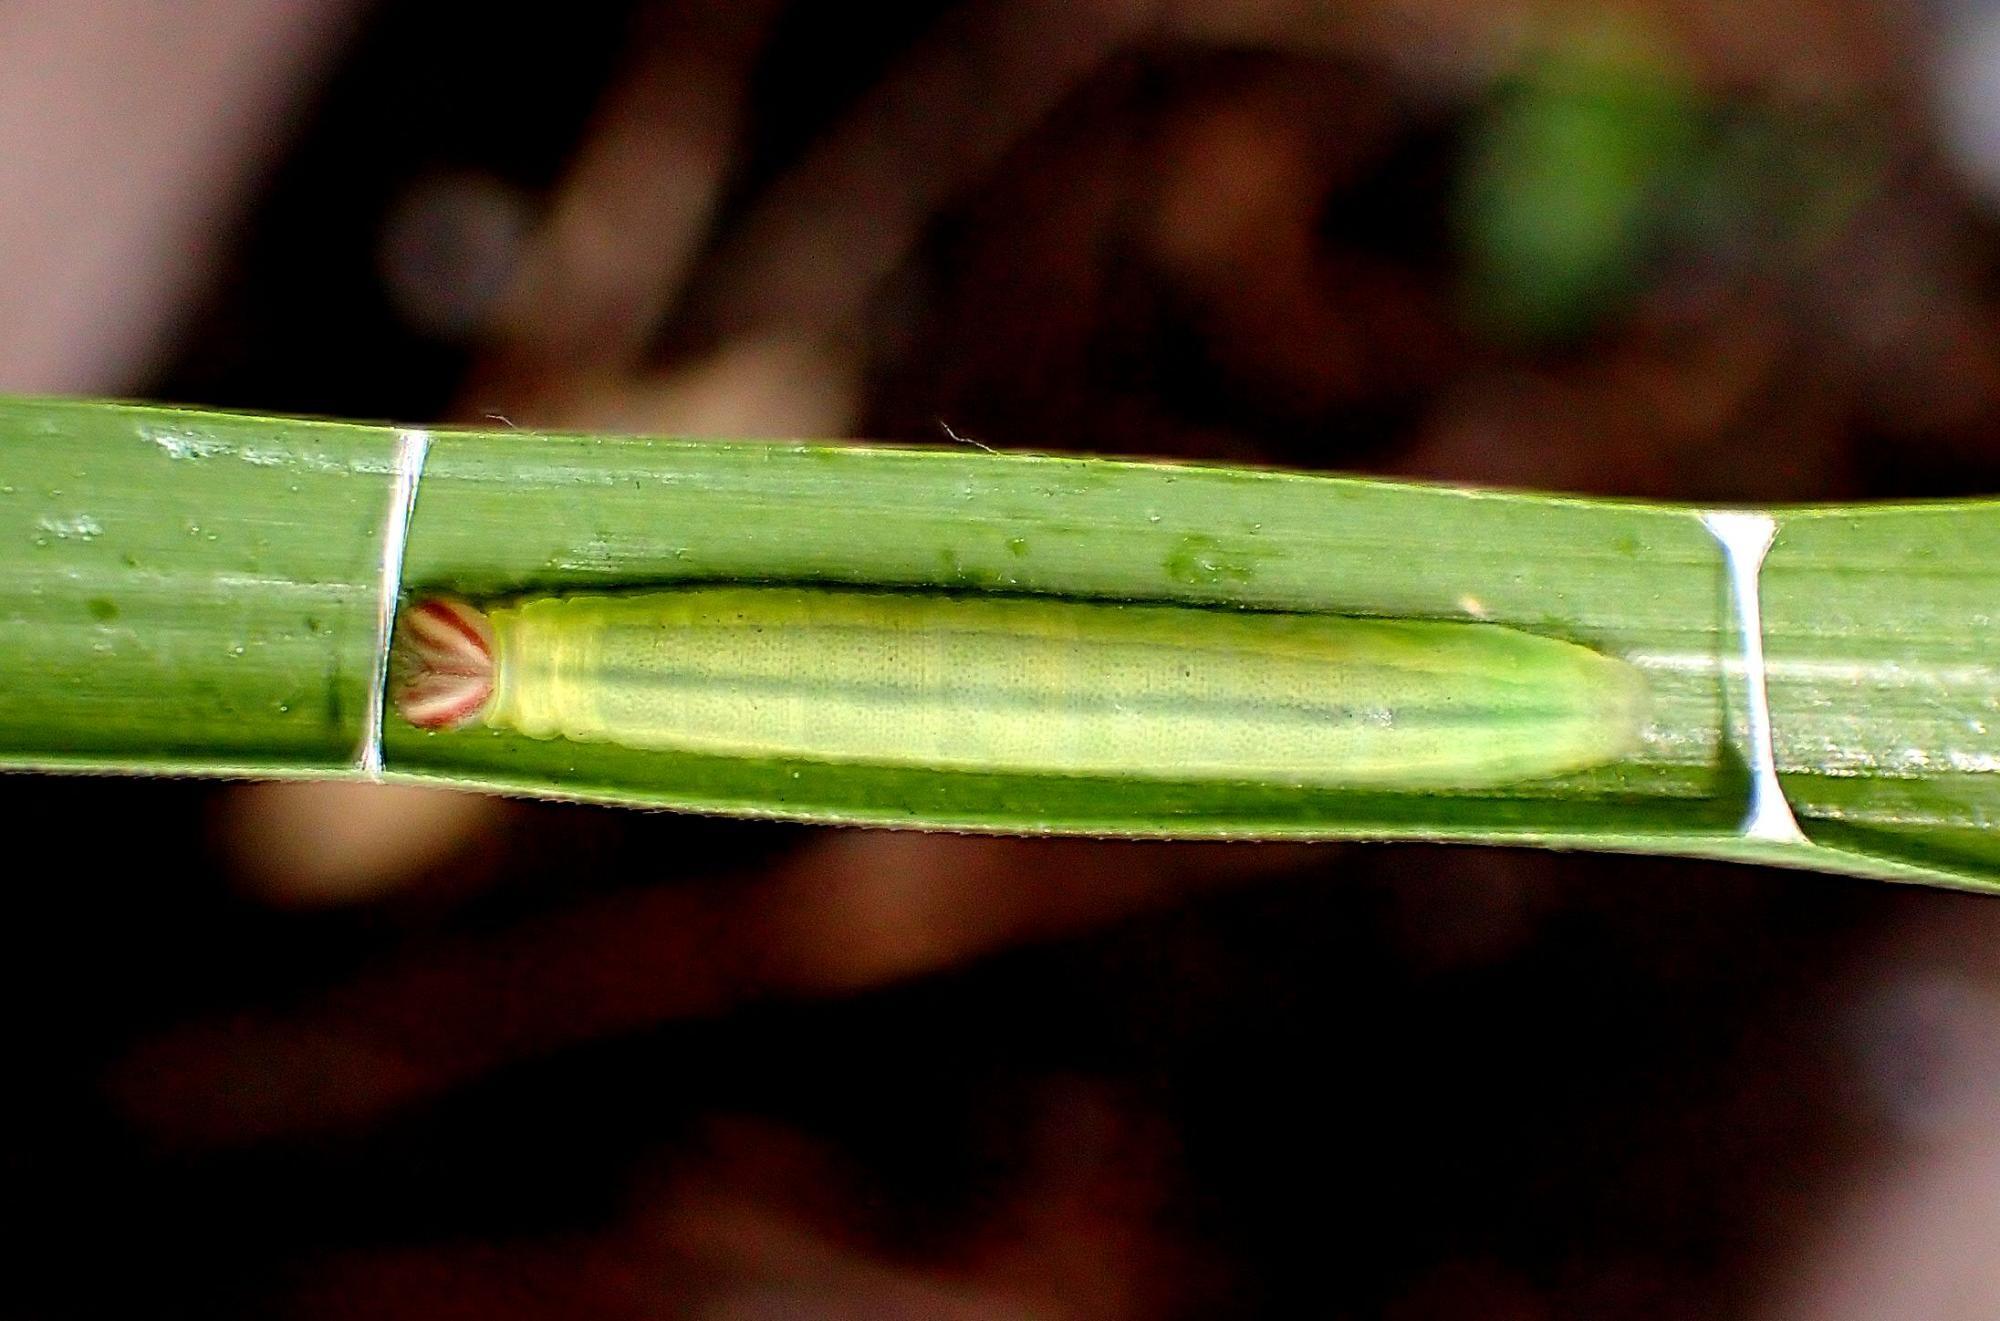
{"x":442,"y":665}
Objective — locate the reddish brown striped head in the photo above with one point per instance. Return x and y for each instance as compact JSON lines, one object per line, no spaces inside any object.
{"x":443,"y":663}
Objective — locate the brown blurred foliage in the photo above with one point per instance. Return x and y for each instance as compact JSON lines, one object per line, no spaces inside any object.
{"x":295,"y":1050}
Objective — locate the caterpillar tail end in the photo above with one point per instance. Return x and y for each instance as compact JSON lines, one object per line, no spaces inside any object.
{"x":442,"y":666}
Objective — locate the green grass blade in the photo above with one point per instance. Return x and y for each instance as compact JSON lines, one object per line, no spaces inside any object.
{"x":184,"y":592}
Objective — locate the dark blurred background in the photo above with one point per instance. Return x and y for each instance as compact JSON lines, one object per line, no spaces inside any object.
{"x":330,"y":1051}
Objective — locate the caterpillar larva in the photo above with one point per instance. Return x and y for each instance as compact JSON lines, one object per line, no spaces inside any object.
{"x":1017,"y":684}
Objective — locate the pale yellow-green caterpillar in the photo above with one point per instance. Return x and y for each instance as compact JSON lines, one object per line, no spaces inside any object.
{"x":993,"y":683}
